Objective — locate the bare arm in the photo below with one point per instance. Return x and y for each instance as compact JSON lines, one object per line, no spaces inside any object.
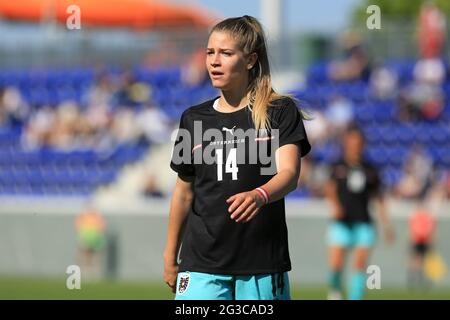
{"x":332,"y":197}
{"x":288,"y":170}
{"x":244,"y":206}
{"x":179,"y":208}
{"x":384,"y":218}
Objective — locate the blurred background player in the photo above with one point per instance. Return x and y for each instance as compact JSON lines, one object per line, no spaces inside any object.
{"x":90,"y":226}
{"x":422,"y":226}
{"x":353,"y":183}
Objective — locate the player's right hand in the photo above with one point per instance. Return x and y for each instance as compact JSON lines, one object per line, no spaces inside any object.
{"x":244,"y":206}
{"x":170,"y":275}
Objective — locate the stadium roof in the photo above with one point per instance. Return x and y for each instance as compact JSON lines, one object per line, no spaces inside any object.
{"x":140,"y":14}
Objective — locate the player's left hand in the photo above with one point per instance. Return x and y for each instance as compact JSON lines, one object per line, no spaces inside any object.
{"x":245,"y":206}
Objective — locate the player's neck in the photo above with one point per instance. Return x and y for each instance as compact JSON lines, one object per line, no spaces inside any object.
{"x":352,"y":160}
{"x":233,"y":100}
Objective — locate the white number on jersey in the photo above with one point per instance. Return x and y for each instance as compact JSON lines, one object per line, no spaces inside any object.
{"x":230,"y":164}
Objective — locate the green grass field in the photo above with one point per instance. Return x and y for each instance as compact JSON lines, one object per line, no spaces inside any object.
{"x":41,"y":288}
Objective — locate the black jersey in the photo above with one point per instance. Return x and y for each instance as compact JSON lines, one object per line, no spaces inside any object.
{"x":356,"y":185}
{"x":212,"y":241}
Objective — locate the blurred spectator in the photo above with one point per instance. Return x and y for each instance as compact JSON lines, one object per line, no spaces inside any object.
{"x":67,"y":128}
{"x":102,"y":91}
{"x":132,"y":92}
{"x":356,"y":63}
{"x":96,"y":130}
{"x":383,"y":84}
{"x":98,"y":116}
{"x":431,"y":30}
{"x":151,"y":189}
{"x":317,"y":128}
{"x":424,"y":98}
{"x":13,"y":109}
{"x":123,"y":128}
{"x":416,"y":176}
{"x":339,"y":113}
{"x":195,"y":73}
{"x":430,"y":71}
{"x":108,"y":119}
{"x":39,"y":127}
{"x":63,"y":134}
{"x":154,"y":125}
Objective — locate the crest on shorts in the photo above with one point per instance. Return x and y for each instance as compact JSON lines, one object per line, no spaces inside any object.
{"x":183,"y":283}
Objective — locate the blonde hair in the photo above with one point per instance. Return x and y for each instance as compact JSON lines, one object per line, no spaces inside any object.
{"x":249,"y":34}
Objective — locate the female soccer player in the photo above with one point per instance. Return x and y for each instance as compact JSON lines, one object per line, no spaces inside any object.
{"x":237,"y":156}
{"x":353,"y":184}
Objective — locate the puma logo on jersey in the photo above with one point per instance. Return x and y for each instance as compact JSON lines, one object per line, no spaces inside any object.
{"x":229,"y":130}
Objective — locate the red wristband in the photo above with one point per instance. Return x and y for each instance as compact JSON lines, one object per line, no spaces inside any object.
{"x":264,"y":194}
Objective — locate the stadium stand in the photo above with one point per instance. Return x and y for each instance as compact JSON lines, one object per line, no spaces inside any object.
{"x":80,"y":170}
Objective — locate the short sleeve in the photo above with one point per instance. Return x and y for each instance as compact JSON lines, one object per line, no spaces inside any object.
{"x":182,"y":161}
{"x":374,"y":181}
{"x":291,"y":128}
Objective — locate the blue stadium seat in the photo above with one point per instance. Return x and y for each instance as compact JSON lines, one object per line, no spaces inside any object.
{"x":403,"y":68}
{"x":377,"y":155}
{"x":390,"y":176}
{"x":397,"y":155}
{"x":405,"y":134}
{"x":318,"y":73}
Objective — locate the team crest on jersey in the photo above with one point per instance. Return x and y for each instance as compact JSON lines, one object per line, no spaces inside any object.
{"x":356,"y":181}
{"x":183,"y":283}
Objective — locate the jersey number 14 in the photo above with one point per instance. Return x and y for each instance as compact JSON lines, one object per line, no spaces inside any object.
{"x":230,"y":164}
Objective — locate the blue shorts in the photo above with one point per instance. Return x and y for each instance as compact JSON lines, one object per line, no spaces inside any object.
{"x":357,"y":235}
{"x":205,"y":286}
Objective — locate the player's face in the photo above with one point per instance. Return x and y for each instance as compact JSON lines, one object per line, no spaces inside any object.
{"x":226,"y":63}
{"x":354,"y":145}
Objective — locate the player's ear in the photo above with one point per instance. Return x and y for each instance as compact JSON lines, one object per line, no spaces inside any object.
{"x":251,"y":60}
